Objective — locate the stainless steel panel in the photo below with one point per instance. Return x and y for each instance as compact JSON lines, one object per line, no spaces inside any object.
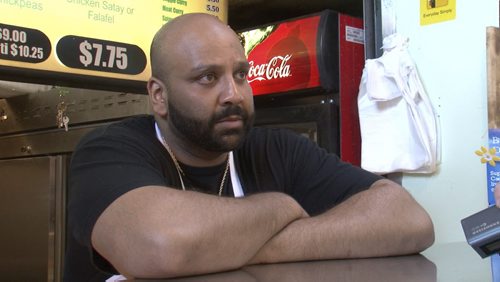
{"x":49,"y":142}
{"x":38,"y":111}
{"x":30,"y":240}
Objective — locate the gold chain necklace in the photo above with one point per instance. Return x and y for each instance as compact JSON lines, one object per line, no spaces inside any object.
{"x":180,"y":172}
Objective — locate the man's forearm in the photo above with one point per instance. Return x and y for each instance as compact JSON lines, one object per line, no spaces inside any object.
{"x":161,"y":232}
{"x":381,"y":221}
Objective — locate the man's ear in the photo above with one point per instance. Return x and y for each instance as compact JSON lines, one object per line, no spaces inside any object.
{"x":158,"y":96}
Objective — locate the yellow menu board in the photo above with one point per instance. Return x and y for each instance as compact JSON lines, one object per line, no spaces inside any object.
{"x":87,"y":40}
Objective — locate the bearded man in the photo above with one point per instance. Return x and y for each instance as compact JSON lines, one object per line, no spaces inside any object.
{"x":196,"y":189}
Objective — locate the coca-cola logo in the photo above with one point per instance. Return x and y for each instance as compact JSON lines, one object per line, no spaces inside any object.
{"x":283,"y":61}
{"x":277,"y":67}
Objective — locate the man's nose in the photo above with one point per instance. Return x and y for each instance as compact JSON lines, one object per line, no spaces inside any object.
{"x":231,"y":94}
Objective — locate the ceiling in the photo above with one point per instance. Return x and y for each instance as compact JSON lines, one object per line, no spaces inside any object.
{"x":244,"y":14}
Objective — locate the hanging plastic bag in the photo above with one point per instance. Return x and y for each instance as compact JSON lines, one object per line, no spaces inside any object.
{"x":398,"y":124}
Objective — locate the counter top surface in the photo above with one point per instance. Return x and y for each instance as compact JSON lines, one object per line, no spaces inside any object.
{"x":447,"y":262}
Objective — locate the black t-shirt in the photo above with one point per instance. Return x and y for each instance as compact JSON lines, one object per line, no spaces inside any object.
{"x":117,"y":158}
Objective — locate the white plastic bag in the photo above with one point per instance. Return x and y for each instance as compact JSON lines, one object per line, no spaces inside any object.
{"x":399,"y":128}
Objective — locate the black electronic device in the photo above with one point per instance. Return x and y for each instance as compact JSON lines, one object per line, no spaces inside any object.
{"x":482,"y":231}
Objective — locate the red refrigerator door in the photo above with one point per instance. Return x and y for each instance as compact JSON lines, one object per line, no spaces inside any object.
{"x":320,"y":54}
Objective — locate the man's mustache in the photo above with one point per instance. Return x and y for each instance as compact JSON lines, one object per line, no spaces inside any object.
{"x":231,"y":111}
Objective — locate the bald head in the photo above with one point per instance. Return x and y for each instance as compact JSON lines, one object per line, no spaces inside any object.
{"x":181,"y":31}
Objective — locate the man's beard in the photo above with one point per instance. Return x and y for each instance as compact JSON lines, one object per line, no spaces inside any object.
{"x":202,"y":132}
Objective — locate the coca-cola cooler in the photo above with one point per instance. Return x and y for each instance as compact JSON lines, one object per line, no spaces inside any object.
{"x":305,"y":75}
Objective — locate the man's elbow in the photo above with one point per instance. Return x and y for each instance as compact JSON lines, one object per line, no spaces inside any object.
{"x":423,"y":232}
{"x":152,"y":257}
{"x":171,"y":256}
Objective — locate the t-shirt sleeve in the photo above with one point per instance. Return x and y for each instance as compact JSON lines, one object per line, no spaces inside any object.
{"x":297,"y":166}
{"x":103,"y":167}
{"x":320,"y":180}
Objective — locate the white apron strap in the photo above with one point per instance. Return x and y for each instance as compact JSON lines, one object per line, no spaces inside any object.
{"x":235,"y":180}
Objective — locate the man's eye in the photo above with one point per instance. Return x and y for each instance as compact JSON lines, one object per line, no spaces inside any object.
{"x":207,"y":78}
{"x":241,"y":75}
